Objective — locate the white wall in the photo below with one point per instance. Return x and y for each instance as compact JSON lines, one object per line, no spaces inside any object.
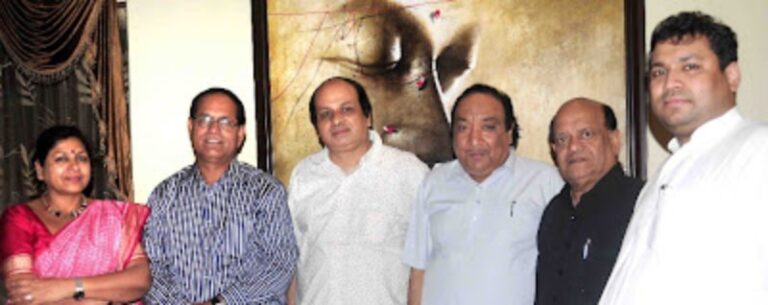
{"x":749,"y":19}
{"x":178,"y":48}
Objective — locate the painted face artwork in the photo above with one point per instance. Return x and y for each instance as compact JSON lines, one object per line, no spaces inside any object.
{"x":414,"y":58}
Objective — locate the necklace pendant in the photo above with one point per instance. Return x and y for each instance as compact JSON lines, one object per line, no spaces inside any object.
{"x":56,"y":213}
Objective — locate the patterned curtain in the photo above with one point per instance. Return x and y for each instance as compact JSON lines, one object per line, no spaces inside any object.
{"x":61,"y":62}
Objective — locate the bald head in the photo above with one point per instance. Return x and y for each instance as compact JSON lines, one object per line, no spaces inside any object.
{"x":585,"y":142}
{"x":609,"y":117}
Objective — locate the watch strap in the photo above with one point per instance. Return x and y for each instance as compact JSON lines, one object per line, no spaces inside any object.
{"x":79,"y":290}
{"x":217,"y":301}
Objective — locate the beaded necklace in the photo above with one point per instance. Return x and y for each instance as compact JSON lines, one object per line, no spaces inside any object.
{"x":56,"y":213}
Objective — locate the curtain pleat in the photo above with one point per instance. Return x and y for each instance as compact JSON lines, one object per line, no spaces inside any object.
{"x":45,"y":37}
{"x":115,"y":109}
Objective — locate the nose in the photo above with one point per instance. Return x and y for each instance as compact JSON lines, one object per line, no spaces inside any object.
{"x":672,"y":80}
{"x":214,"y":126}
{"x":335,"y":118}
{"x":574,"y":145}
{"x":475,"y":135}
{"x":74,"y":164}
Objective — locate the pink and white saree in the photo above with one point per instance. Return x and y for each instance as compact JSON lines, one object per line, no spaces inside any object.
{"x":103,"y":239}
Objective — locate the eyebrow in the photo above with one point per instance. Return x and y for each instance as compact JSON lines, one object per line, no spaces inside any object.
{"x":64,"y":151}
{"x":685,"y":58}
{"x":346,"y":103}
{"x":689,"y":58}
{"x":211,"y":115}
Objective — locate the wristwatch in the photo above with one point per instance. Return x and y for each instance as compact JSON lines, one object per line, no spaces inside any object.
{"x":217,"y":301}
{"x":79,"y":290}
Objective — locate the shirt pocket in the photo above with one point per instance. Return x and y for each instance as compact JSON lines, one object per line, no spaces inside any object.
{"x":234,"y":239}
{"x":518,"y":222}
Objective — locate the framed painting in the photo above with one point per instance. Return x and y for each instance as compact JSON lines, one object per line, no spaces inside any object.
{"x":414,"y":57}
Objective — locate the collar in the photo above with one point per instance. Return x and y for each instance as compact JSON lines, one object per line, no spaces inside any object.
{"x":233,"y":169}
{"x":710,"y":131}
{"x":507,"y":167}
{"x":608,"y":183}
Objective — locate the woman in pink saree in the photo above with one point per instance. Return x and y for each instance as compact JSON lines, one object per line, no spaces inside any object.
{"x":62,"y":247}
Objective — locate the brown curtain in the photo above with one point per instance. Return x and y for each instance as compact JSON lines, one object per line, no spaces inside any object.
{"x":61,"y":62}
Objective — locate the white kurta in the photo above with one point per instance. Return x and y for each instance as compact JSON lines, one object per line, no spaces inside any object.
{"x":699,"y":234}
{"x":351,"y":228}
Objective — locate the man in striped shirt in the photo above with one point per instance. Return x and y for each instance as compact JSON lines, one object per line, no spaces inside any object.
{"x":220,"y":231}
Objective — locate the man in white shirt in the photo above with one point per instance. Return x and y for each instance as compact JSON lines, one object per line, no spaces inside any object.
{"x":698,"y":234}
{"x":472,"y":237}
{"x":350,"y":205}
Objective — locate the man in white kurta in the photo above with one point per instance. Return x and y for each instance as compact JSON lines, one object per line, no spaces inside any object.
{"x":350,"y":218}
{"x":699,"y":234}
{"x":472,"y":238}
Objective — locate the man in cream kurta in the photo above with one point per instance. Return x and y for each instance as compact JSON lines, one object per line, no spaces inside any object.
{"x":351,"y":214}
{"x":699,"y":233}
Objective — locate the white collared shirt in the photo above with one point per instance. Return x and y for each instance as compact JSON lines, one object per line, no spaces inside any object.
{"x":477,"y":241}
{"x":351,"y":227}
{"x":699,"y":234}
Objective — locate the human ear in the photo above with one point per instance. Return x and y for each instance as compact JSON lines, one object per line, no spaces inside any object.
{"x":733,"y":75}
{"x":39,"y":171}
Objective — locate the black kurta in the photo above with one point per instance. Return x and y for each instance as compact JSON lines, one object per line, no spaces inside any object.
{"x":578,"y":245}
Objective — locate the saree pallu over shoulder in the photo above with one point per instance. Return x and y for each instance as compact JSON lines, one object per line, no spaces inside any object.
{"x":101,"y":240}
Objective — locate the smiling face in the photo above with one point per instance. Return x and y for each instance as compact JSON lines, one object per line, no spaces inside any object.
{"x":341,"y":123}
{"x":584,"y":147}
{"x":214,"y":143}
{"x":687,"y":86}
{"x":67,"y":167}
{"x":480,"y":139}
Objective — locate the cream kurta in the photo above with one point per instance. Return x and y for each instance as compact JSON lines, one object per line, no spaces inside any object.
{"x":351,"y":228}
{"x":699,"y":234}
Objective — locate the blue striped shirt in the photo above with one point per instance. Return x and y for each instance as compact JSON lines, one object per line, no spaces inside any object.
{"x":233,"y":238}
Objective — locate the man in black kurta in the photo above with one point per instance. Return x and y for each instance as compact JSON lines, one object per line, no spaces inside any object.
{"x":582,"y":228}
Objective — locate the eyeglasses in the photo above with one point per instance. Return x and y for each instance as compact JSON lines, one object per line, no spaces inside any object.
{"x":563,"y":141}
{"x":206,"y":121}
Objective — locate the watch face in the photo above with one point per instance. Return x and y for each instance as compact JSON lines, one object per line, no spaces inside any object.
{"x":79,"y":290}
{"x":79,"y":295}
